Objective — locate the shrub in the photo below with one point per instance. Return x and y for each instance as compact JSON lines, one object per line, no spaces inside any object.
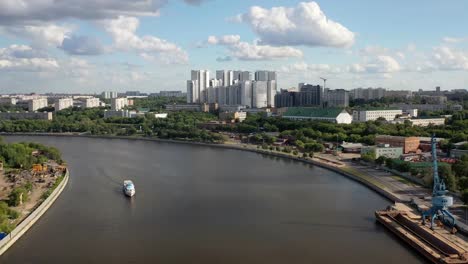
{"x":15,"y":196}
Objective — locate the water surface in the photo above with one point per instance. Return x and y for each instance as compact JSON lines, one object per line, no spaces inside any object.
{"x":198,"y":204}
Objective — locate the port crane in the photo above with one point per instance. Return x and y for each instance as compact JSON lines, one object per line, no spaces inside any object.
{"x":440,"y":200}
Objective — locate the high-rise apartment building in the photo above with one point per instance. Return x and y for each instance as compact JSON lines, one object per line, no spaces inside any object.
{"x":118,"y":103}
{"x":336,"y":98}
{"x":310,"y":95}
{"x":109,"y":95}
{"x":91,"y":102}
{"x":36,"y":104}
{"x":197,"y":85}
{"x":63,"y":103}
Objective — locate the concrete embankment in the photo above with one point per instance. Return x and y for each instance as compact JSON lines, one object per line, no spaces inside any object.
{"x":28,"y":222}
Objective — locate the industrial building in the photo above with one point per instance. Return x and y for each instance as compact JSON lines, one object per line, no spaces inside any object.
{"x":383,"y":151}
{"x":409,"y":144}
{"x":335,"y":115}
{"x":374,"y":114}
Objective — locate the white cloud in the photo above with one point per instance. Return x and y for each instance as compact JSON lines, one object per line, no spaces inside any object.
{"x":25,"y":58}
{"x":446,"y":58}
{"x":82,"y":45}
{"x":451,"y":40}
{"x":304,"y":24}
{"x":378,"y":64}
{"x":123,"y":32}
{"x":252,"y":51}
{"x":19,"y":11}
{"x":305,"y":67}
{"x":41,"y":35}
{"x":224,"y":40}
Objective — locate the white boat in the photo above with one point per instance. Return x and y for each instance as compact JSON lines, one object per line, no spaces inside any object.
{"x":129,"y":188}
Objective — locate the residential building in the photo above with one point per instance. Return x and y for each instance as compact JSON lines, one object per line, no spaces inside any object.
{"x":109,"y":95}
{"x":409,"y":144}
{"x":336,"y":98}
{"x":117,"y":113}
{"x":91,"y":103}
{"x":63,"y":103}
{"x":335,"y":115}
{"x":259,"y":94}
{"x":367,"y":93}
{"x":420,"y":107}
{"x":168,"y":94}
{"x":374,"y":114}
{"x":434,"y":99}
{"x":8,"y":101}
{"x":26,"y":115}
{"x":286,"y":98}
{"x":383,"y":151}
{"x":310,"y":95}
{"x":118,"y":103}
{"x":399,"y":94}
{"x":36,"y":104}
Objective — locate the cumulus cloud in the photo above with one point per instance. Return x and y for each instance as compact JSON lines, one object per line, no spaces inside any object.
{"x":82,"y":45}
{"x":252,"y":51}
{"x":19,"y":11}
{"x":451,"y":40}
{"x":379,"y":64}
{"x":305,"y":67}
{"x":304,"y":24}
{"x":41,"y":35}
{"x":123,"y":32}
{"x":25,"y":58}
{"x":446,"y":58}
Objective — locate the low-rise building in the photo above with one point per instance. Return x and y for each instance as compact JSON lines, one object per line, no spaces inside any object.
{"x":183,"y":107}
{"x":63,"y":103}
{"x":26,"y":115}
{"x":233,"y":116}
{"x":383,"y":151}
{"x":160,"y":115}
{"x":119,"y":113}
{"x":427,"y":121}
{"x":351,"y":147}
{"x":409,"y":144}
{"x":365,"y":115}
{"x":335,"y":115}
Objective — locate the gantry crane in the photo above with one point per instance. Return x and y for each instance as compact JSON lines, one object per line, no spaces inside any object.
{"x":440,"y":200}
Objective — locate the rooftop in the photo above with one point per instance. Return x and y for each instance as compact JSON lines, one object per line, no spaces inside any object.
{"x":313,"y":112}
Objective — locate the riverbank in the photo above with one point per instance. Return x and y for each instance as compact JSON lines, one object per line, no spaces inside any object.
{"x":32,"y":218}
{"x":317,"y":161}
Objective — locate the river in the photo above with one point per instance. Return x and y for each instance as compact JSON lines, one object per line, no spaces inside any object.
{"x":197,"y":204}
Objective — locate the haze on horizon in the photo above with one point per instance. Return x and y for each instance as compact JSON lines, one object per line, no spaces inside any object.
{"x":151,"y":45}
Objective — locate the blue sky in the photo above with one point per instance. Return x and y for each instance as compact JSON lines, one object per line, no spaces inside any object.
{"x":96,"y":45}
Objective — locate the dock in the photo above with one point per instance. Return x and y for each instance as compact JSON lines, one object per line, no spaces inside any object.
{"x":440,"y":245}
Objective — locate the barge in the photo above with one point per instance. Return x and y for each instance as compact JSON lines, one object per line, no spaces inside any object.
{"x":439,"y":245}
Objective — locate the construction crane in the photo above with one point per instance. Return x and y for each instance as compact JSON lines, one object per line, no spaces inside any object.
{"x":324,"y":82}
{"x":440,"y":200}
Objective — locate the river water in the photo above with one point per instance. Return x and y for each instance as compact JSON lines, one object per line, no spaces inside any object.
{"x":196,"y":204}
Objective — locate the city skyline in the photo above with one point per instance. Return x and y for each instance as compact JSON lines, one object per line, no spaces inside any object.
{"x":151,"y":45}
